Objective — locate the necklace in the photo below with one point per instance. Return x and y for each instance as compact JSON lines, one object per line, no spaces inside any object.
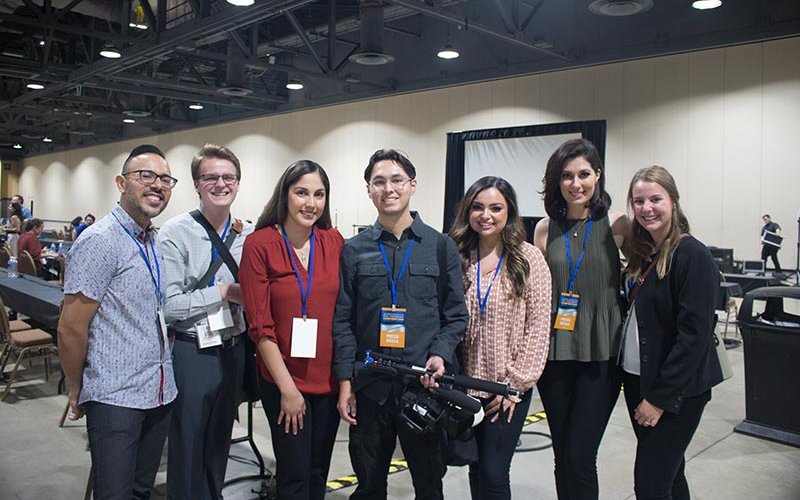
{"x":578,"y":226}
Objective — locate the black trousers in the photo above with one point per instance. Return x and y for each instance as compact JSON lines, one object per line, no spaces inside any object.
{"x":770,"y":251}
{"x":208,"y":383}
{"x":578,"y":398}
{"x":659,"y":470}
{"x":497,"y":441}
{"x":125,"y":445}
{"x":372,"y":444}
{"x":302,"y":460}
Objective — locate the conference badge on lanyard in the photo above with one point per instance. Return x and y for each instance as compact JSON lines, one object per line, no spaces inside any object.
{"x":304,"y":330}
{"x":393,"y":327}
{"x":567,"y":312}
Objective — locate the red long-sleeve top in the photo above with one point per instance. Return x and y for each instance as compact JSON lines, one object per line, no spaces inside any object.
{"x":272,"y":300}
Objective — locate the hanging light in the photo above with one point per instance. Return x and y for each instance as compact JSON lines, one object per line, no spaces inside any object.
{"x":706,"y":4}
{"x":47,"y":139}
{"x":294,"y":84}
{"x":35,"y":86}
{"x":241,"y":3}
{"x":196,"y":105}
{"x":128,"y":120}
{"x":110,"y":51}
{"x":448,"y":52}
{"x":17,"y":146}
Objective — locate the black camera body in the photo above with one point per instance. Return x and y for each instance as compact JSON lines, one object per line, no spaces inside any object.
{"x":433,"y":410}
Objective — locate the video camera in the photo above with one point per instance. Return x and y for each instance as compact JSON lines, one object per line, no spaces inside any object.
{"x":429,"y":410}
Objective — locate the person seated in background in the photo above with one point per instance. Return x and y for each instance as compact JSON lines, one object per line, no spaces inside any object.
{"x":73,"y":226}
{"x":29,"y":240}
{"x":87,"y":221}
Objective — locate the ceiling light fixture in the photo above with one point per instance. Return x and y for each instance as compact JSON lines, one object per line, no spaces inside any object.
{"x":196,"y":105}
{"x":35,"y":86}
{"x":294,"y":84}
{"x":110,"y":51}
{"x":41,"y":43}
{"x":17,"y":146}
{"x":241,"y":3}
{"x":706,"y":4}
{"x":138,"y":26}
{"x":616,"y":8}
{"x":448,"y":52}
{"x":47,"y":139}
{"x":128,"y":120}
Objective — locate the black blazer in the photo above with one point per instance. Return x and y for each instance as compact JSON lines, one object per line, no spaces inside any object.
{"x":676,"y":317}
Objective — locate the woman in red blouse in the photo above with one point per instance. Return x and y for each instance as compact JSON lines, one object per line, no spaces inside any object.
{"x":290,"y":279}
{"x":507,"y":287}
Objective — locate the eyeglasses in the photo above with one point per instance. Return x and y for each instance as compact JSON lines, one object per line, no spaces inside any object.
{"x":397,"y":183}
{"x":228,"y":179}
{"x":148,"y":177}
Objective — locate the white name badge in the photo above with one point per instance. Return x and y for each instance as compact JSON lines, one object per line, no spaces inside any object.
{"x":220,"y":317}
{"x":162,"y":325}
{"x":207,"y":337}
{"x":304,"y":338}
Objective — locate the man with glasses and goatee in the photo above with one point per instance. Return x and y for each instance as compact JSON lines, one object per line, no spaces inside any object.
{"x":202,"y":250}
{"x":112,"y":337}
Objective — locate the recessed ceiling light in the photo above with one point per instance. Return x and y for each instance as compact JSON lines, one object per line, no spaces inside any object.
{"x":128,"y":120}
{"x":196,"y":105}
{"x":47,"y":139}
{"x":706,"y":4}
{"x":241,"y":3}
{"x":41,"y":43}
{"x":294,"y":84}
{"x":448,"y":52}
{"x":110,"y":51}
{"x":35,"y":86}
{"x":17,"y":146}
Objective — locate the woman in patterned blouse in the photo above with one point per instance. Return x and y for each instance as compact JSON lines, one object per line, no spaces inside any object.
{"x":507,"y":287}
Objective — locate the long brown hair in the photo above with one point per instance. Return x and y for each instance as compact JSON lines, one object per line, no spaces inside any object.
{"x":554,"y":203}
{"x":276,"y":210}
{"x":641,"y":245}
{"x":513,"y":234}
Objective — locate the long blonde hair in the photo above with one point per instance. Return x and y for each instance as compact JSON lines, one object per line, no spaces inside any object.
{"x":641,"y":245}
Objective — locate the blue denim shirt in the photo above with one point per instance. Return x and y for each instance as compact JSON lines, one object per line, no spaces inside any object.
{"x":127,"y":363}
{"x":365,"y":288}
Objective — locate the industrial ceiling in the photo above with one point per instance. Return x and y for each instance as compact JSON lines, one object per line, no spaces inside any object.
{"x":230,"y":62}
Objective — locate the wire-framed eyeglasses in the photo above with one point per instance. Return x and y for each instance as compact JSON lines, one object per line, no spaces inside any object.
{"x":148,"y":177}
{"x":397,"y":183}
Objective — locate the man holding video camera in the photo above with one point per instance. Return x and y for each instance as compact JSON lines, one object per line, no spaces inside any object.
{"x":401,"y":294}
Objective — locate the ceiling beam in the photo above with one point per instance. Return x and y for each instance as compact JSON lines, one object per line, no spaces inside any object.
{"x":45,"y":23}
{"x":475,"y":27}
{"x":307,"y":41}
{"x":531,"y":15}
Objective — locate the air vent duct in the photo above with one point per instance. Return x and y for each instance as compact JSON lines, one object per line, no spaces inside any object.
{"x":234,"y":85}
{"x":617,"y":8}
{"x":371,"y":51}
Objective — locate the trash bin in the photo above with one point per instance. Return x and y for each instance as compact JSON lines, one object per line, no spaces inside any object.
{"x":771,"y":358}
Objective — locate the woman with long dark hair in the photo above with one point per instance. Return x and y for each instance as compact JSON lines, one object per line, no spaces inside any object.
{"x":668,"y":351}
{"x":14,"y":227}
{"x":580,"y":239}
{"x":507,"y":287}
{"x":290,"y":280}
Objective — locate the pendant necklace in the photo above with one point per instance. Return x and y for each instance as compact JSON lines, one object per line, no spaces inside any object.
{"x":577,"y":227}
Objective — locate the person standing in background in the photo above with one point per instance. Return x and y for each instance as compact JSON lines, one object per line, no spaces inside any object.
{"x":26,"y":213}
{"x":768,"y":250}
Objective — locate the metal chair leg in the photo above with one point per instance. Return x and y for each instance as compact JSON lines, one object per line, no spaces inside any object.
{"x":89,"y":485}
{"x":64,"y":415}
{"x":13,"y":374}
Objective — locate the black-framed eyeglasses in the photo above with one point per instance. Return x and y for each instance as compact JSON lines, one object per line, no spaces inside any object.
{"x":148,"y":177}
{"x":228,"y":179}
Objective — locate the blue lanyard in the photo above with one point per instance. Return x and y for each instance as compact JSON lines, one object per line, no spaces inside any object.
{"x":482,"y":302}
{"x":573,"y":273}
{"x":395,"y":281}
{"x":303,"y":294}
{"x":214,"y":253}
{"x":157,"y":277}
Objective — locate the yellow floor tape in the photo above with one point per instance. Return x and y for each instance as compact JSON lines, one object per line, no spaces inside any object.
{"x":400,"y":465}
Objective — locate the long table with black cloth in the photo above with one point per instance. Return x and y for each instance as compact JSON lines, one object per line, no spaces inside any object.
{"x":36,"y":298}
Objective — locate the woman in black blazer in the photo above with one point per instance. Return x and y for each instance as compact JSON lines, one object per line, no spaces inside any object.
{"x":668,"y":353}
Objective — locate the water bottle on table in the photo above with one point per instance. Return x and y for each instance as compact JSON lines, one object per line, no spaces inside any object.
{"x":12,"y":267}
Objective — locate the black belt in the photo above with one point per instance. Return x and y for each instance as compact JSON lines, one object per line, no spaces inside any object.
{"x":227,"y":342}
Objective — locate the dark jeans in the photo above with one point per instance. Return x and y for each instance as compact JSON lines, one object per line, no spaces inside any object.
{"x":126,"y":446}
{"x":770,"y":251}
{"x":659,"y":470}
{"x":302,"y":460}
{"x":497,"y":441}
{"x":578,"y":398}
{"x":372,"y":444}
{"x":208,"y":382}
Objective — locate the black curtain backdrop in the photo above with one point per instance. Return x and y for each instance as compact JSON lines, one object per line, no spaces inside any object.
{"x":594,"y":131}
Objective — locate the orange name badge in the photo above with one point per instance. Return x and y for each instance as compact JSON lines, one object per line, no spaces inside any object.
{"x":393,"y":328}
{"x":567,"y":312}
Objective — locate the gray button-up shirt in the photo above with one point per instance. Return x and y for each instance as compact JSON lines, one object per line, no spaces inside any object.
{"x":127,"y":361}
{"x":186,"y":249}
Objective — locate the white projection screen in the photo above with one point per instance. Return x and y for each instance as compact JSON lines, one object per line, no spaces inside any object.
{"x":519,"y":160}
